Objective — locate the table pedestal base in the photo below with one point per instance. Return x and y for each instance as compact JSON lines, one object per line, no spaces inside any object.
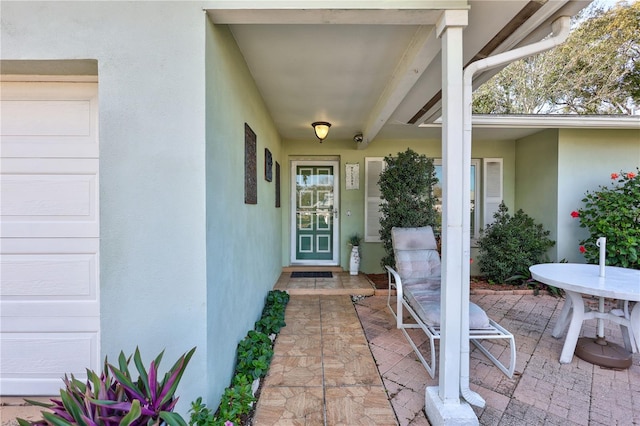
{"x":605,"y":354}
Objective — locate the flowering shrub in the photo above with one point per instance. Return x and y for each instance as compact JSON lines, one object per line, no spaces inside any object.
{"x":613,"y":212}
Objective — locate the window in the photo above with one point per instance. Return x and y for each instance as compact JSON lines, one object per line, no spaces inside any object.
{"x":475,"y":212}
{"x":488,"y":177}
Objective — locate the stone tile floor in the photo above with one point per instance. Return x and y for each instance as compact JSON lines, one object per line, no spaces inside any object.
{"x":322,"y":371}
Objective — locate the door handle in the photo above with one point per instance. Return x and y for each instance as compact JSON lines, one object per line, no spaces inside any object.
{"x":335,"y":213}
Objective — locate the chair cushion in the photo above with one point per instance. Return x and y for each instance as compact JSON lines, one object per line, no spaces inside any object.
{"x":421,"y":238}
{"x":426,"y":303}
{"x":415,"y":266}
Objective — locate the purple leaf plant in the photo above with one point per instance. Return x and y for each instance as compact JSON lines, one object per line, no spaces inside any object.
{"x":114,"y":398}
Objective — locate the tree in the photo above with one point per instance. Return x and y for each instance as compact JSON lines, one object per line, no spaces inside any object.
{"x":596,"y":71}
{"x":406,"y":187}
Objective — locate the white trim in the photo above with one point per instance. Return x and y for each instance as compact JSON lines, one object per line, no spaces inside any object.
{"x":32,"y":78}
{"x":548,"y":121}
{"x":369,"y":237}
{"x":321,"y":237}
{"x":492,"y":195}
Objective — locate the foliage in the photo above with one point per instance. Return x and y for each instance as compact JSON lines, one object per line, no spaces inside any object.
{"x":525,"y":278}
{"x":201,"y":415}
{"x":511,"y":244}
{"x":355,"y":239}
{"x":406,"y":187}
{"x":596,"y":71}
{"x":114,"y":398}
{"x":270,"y":324}
{"x":277,"y":297}
{"x":254,"y":355}
{"x":272,"y":319}
{"x":613,"y":212}
{"x":237,"y":400}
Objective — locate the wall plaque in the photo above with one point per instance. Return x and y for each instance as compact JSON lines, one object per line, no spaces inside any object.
{"x":277,"y":184}
{"x":250,"y":167}
{"x":268,"y":165}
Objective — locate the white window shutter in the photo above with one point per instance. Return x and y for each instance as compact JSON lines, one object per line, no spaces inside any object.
{"x":492,"y":188}
{"x":373,"y":167}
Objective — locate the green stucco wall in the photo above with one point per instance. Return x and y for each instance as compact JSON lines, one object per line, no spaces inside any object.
{"x":243,"y":240}
{"x":586,"y":159}
{"x":555,"y":168}
{"x":537,"y":180}
{"x":353,"y":200}
{"x":150,"y":58}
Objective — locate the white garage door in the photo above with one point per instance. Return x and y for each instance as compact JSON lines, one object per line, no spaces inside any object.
{"x":49,"y":235}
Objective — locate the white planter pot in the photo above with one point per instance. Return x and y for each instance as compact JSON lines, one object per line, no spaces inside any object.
{"x":354,"y":261}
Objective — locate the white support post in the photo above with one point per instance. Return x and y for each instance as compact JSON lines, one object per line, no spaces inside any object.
{"x":443,"y":404}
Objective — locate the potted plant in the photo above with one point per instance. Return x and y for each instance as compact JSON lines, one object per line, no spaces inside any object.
{"x":354,"y":261}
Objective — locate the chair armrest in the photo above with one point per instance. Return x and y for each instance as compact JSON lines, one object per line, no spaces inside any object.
{"x":399,"y":315}
{"x":396,"y":278}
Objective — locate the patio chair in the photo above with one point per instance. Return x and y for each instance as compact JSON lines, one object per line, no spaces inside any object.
{"x":417,"y":283}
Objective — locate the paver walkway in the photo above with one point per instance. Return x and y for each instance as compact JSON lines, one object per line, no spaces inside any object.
{"x":322,"y":372}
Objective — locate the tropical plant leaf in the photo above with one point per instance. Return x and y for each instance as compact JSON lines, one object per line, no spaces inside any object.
{"x":172,"y":419}
{"x":73,"y":407}
{"x":137,"y":360}
{"x":134,"y":414}
{"x":54,"y":420}
{"x":123,"y":363}
{"x":126,"y":383}
{"x":153,"y":384}
{"x":176,"y":374}
{"x":39,"y":403}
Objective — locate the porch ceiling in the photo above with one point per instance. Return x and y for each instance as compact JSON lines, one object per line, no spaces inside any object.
{"x":368,"y":67}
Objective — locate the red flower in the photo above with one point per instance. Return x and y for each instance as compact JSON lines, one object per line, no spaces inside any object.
{"x":582,"y":249}
{"x":575,"y":214}
{"x":614,"y":176}
{"x":631,"y":175}
{"x":470,"y":260}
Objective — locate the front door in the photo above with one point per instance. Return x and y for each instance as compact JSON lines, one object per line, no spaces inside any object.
{"x":314,"y":212}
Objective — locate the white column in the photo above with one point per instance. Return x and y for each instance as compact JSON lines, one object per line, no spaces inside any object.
{"x":450,"y":30}
{"x":443,"y":404}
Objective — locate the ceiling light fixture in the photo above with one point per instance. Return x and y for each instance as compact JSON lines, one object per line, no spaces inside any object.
{"x":321,"y":128}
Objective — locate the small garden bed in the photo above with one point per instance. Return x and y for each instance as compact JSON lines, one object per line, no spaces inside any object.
{"x":380,"y":281}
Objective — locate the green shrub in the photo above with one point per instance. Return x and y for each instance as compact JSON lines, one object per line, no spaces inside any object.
{"x":237,"y":401}
{"x":254,"y":355}
{"x":200,"y":415}
{"x":406,"y":188}
{"x":272,"y":319}
{"x":613,"y":212}
{"x":511,"y":244}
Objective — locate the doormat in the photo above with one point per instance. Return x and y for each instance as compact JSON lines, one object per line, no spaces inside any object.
{"x":311,"y":274}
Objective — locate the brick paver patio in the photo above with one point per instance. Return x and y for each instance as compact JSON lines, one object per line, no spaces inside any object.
{"x":543,"y":391}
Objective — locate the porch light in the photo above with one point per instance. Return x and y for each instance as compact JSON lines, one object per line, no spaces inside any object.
{"x":321,"y":128}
